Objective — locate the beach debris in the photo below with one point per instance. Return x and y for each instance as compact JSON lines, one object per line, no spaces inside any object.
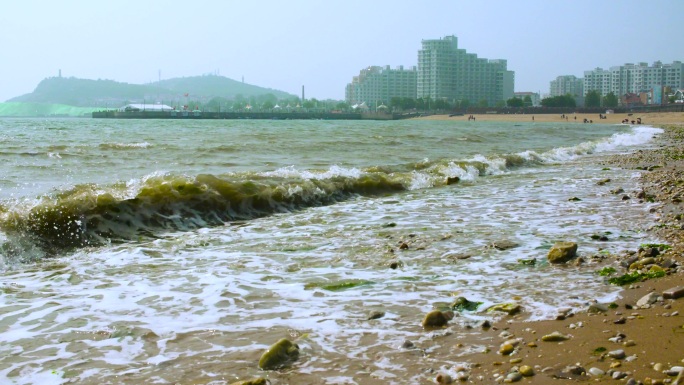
{"x":603,"y":181}
{"x":555,"y":337}
{"x":279,"y":355}
{"x":562,"y":252}
{"x":436,"y":319}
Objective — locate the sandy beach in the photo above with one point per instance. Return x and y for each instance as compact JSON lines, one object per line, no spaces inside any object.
{"x":650,"y":118}
{"x":621,"y":343}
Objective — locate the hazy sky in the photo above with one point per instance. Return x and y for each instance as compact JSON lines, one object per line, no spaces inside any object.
{"x":322,"y":44}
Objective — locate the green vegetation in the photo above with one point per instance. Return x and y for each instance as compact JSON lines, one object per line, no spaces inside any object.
{"x":610,"y":100}
{"x":515,"y":102}
{"x":598,"y":351}
{"x":592,"y":99}
{"x":462,"y":304}
{"x":559,"y":101}
{"x":660,"y":246}
{"x":635,"y":277}
{"x":606,"y":271}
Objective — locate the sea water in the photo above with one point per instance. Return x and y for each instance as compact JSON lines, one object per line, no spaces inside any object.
{"x":177,"y":251}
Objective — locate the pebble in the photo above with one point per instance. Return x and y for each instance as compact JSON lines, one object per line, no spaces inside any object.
{"x":674,"y":293}
{"x":619,"y":375}
{"x":526,"y":371}
{"x":648,"y":299}
{"x":513,"y":377}
{"x":617,"y":354}
{"x":555,"y":337}
{"x":596,"y":372}
{"x":506,"y":349}
{"x":658,"y":367}
{"x":629,"y":343}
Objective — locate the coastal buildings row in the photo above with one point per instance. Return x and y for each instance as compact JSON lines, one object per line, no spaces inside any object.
{"x":631,"y":83}
{"x":444,"y":72}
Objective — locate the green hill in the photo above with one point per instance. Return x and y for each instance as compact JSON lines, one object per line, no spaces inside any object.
{"x":112,"y":94}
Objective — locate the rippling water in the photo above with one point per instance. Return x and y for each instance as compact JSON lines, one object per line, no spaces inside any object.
{"x":164,"y":251}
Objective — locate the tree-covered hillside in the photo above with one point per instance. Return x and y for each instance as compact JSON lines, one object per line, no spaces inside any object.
{"x":109,"y":93}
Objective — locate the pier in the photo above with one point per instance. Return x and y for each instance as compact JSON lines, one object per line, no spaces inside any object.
{"x":251,"y":115}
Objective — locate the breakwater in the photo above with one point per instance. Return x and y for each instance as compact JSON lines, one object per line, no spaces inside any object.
{"x":250,"y":115}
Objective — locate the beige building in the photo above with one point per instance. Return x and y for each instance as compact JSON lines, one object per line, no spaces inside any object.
{"x":376,"y":86}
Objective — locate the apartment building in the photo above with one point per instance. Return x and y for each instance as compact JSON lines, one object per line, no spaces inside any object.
{"x":567,"y":84}
{"x":448,"y":72}
{"x":636,"y":79}
{"x":377,"y":85}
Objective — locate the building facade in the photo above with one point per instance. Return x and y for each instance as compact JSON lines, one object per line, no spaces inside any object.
{"x":447,"y":72}
{"x":636,"y":79}
{"x":376,"y":85}
{"x":567,"y":84}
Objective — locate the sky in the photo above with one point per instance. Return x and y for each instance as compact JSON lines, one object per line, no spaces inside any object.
{"x":322,"y":44}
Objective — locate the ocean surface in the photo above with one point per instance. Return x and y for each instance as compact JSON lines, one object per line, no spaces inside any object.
{"x":177,"y":251}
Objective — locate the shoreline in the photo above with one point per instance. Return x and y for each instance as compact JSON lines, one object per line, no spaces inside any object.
{"x":647,"y":118}
{"x":651,"y":338}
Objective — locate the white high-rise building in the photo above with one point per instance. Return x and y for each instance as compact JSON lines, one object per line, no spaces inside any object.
{"x":447,"y":72}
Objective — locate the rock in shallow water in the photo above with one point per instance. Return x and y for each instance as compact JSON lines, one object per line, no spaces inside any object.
{"x":435,"y":319}
{"x":279,"y":354}
{"x":562,"y":252}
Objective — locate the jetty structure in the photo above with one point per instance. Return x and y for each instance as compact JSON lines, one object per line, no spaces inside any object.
{"x":161,"y":111}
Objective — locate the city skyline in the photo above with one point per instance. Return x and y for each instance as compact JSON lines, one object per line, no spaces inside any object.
{"x":321,"y":46}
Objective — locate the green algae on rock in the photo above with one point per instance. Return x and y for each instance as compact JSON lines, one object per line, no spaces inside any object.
{"x":279,"y":355}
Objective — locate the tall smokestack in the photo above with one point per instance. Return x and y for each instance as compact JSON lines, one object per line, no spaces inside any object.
{"x":302,"y":94}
